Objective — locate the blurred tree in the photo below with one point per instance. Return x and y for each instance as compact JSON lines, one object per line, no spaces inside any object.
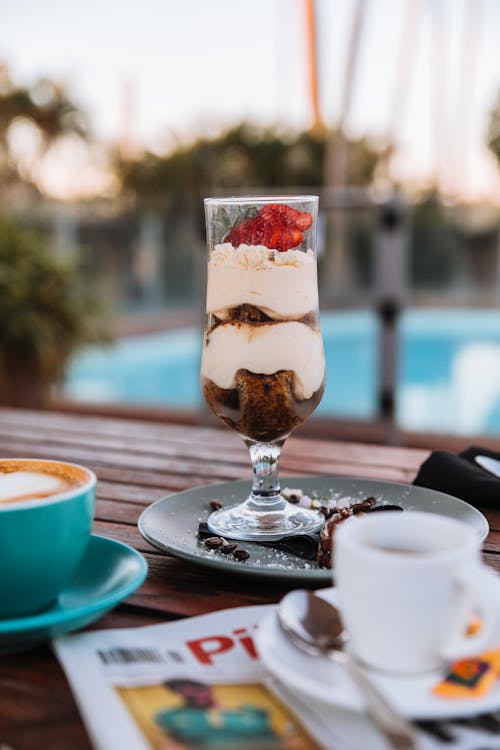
{"x":245,"y":156}
{"x":47,"y":313}
{"x":494,"y":129}
{"x":47,"y":114}
{"x":435,"y":252}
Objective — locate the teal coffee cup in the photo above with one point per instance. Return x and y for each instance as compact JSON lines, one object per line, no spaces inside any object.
{"x":46,"y":514}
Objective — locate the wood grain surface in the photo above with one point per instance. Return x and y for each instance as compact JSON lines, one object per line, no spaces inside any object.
{"x":138,"y":462}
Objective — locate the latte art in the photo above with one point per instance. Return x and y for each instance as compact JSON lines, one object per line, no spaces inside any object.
{"x":20,"y":482}
{"x":46,"y":513}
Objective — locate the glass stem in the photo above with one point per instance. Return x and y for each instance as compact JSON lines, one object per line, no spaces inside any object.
{"x":266,"y":493}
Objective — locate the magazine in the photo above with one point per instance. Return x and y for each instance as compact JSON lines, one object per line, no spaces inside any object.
{"x":183,"y":685}
{"x":198,"y":684}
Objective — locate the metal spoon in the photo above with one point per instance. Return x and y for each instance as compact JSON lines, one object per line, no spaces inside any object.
{"x":315,"y":626}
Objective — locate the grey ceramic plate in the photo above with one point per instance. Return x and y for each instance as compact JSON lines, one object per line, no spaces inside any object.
{"x":171,"y":524}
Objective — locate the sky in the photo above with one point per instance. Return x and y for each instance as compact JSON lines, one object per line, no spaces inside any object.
{"x":162,"y":71}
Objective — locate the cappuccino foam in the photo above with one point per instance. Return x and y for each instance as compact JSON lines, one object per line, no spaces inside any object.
{"x":24,"y":480}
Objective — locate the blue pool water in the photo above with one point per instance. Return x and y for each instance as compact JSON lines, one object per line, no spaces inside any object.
{"x":448,"y":378}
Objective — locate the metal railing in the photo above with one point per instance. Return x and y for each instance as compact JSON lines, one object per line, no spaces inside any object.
{"x":368,"y":247}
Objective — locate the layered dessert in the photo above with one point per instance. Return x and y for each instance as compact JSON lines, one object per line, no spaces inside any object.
{"x":263,"y":366}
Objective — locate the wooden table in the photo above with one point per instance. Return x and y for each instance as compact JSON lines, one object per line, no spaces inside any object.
{"x":137,"y":463}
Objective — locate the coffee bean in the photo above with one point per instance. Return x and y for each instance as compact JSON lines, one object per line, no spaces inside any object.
{"x":214,"y":542}
{"x":215,"y":505}
{"x":228,"y":547}
{"x":241,"y":554}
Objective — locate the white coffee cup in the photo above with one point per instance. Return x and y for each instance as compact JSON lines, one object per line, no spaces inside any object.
{"x":408,"y":584}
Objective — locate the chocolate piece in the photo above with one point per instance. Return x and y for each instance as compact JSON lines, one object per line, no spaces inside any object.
{"x":365,"y":505}
{"x":345,"y":513}
{"x":385,"y":507}
{"x":324,"y":557}
{"x":356,"y":510}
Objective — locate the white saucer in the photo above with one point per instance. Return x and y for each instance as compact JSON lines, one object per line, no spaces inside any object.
{"x":323,"y":681}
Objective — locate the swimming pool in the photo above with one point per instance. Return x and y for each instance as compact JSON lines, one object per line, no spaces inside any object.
{"x":448,"y":374}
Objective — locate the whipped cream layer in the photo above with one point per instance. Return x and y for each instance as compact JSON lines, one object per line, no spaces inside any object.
{"x":282,"y":285}
{"x":265,"y":349}
{"x":30,"y":485}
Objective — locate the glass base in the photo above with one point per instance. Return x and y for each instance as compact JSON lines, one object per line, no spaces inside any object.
{"x":271,"y":522}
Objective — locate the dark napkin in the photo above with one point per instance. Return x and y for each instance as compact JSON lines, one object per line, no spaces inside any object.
{"x":301,"y":545}
{"x":461,"y":476}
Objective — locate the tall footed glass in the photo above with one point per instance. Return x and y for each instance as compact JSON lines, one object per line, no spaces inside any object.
{"x":263,"y":366}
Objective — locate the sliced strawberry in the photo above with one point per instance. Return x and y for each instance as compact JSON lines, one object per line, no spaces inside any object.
{"x":300,"y":219}
{"x":250,"y":232}
{"x":303,"y":220}
{"x":276,"y":226}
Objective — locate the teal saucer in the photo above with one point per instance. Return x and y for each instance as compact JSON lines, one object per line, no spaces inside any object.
{"x":109,"y":572}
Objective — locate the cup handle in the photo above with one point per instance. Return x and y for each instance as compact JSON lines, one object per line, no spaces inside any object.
{"x":480,"y":592}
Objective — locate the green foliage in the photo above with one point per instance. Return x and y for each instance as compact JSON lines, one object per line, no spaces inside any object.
{"x":243,"y":157}
{"x":45,"y":104}
{"x":52,"y":115}
{"x":494,"y":130}
{"x":435,"y":251}
{"x":46,"y":313}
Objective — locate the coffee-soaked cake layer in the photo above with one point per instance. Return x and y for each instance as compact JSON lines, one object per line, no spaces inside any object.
{"x":265,"y":348}
{"x":247,"y":314}
{"x":253,"y":316}
{"x":261,"y":407}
